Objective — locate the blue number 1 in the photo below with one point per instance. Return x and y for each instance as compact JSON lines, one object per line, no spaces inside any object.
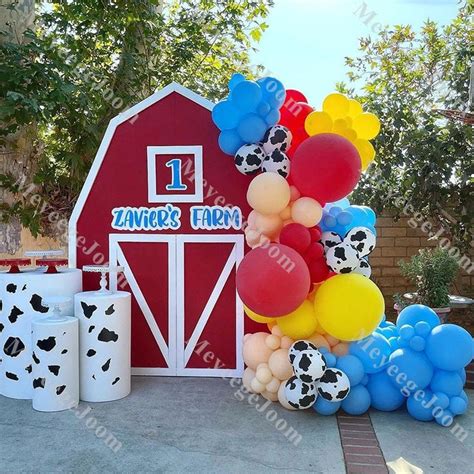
{"x":176,"y":183}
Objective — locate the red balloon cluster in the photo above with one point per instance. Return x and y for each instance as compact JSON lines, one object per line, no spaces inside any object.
{"x":293,"y":115}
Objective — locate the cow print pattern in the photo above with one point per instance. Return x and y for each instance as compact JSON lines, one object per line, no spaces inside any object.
{"x":11,"y":288}
{"x":110,"y":310}
{"x":342,"y":258}
{"x":37,"y":304}
{"x":334,"y":385}
{"x":13,"y":347}
{"x":362,"y":239}
{"x":248,"y":159}
{"x":309,"y":366}
{"x":15,"y":312}
{"x":277,"y":162}
{"x":299,"y":394}
{"x":277,"y":137}
{"x":107,"y":336}
{"x":330,"y":239}
{"x":300,"y":346}
{"x":88,"y":310}
{"x":48,"y":344}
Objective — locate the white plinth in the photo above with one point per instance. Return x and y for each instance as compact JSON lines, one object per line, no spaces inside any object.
{"x":55,"y":363}
{"x":105,"y":344}
{"x":22,"y":297}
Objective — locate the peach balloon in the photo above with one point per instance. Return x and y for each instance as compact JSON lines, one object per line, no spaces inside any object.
{"x":306,"y":211}
{"x":282,"y":397}
{"x":264,"y":375}
{"x":252,"y":237}
{"x":340,"y":349}
{"x":332,"y":340}
{"x":252,"y":219}
{"x":294,"y":193}
{"x":286,"y":342}
{"x":273,"y":342}
{"x":268,"y":193}
{"x":257,"y":386}
{"x":280,"y":365}
{"x":247,"y":378}
{"x":269,"y":224}
{"x":276,"y":331}
{"x":273,"y":385}
{"x":285,"y":215}
{"x":273,"y":397}
{"x":271,"y":325}
{"x":319,"y":341}
{"x":255,"y":351}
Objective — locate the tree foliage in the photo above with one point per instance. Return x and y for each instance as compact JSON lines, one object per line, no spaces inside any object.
{"x":422,"y":158}
{"x":84,"y":62}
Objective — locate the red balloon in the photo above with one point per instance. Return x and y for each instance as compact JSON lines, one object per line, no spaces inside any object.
{"x":293,"y":115}
{"x":313,"y":252}
{"x":315,"y":233}
{"x":319,"y":270}
{"x":292,"y":95}
{"x":296,"y":236}
{"x":326,"y":167}
{"x":273,"y":280}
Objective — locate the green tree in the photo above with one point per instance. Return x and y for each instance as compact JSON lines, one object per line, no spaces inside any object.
{"x":422,"y":157}
{"x":84,"y":62}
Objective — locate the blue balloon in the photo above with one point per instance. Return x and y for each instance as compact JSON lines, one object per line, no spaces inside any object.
{"x":442,"y":400}
{"x":344,"y":218}
{"x":272,"y":117}
{"x":458,"y":406}
{"x":331,"y":359}
{"x":417,"y":343}
{"x":448,"y":382}
{"x":357,"y":402}
{"x":422,"y":328}
{"x":246,"y":96}
{"x":373,"y":351}
{"x":252,"y":128}
{"x":352,"y":367}
{"x":360,"y":218}
{"x":323,"y":407}
{"x":263,"y":108}
{"x":371,"y":216}
{"x":407,"y":332}
{"x":419,"y":407}
{"x":365,"y":380}
{"x":394,"y":343}
{"x":342,"y":203}
{"x":444,"y":418}
{"x":462,"y":374}
{"x":273,"y":91}
{"x":236,"y":78}
{"x":464,"y":396}
{"x":384,"y":396}
{"x":225,"y":115}
{"x":409,"y":370}
{"x":230,"y":142}
{"x":415,"y":313}
{"x":449,"y":347}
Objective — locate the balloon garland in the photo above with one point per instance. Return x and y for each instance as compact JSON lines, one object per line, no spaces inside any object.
{"x":307,"y":275}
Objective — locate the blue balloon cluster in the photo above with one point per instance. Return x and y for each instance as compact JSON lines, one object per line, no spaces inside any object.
{"x":249,"y":110}
{"x":418,"y":361}
{"x":341,"y":219}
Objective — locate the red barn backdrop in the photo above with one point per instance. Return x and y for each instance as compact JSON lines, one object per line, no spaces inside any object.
{"x":162,"y":200}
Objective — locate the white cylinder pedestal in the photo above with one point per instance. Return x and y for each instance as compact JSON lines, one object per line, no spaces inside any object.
{"x":55,"y":363}
{"x":105,"y":344}
{"x":22,"y":297}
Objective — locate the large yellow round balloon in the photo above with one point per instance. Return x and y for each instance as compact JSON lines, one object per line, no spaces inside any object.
{"x":336,"y":105}
{"x":355,"y":108}
{"x":318,"y":122}
{"x":367,"y":126}
{"x":256,"y":317}
{"x":349,"y":307}
{"x":366,"y":152}
{"x":299,"y":324}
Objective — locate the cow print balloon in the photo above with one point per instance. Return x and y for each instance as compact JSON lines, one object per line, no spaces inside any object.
{"x":334,"y":385}
{"x":309,"y":366}
{"x":330,"y":239}
{"x":299,"y":394}
{"x":248,"y":159}
{"x":277,"y":162}
{"x":361,"y":239}
{"x":343,"y":258}
{"x":300,"y":346}
{"x":277,"y":137}
{"x":364,"y":268}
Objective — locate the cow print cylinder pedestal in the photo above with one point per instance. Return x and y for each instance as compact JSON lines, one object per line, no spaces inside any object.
{"x":21,"y":296}
{"x":55,"y":363}
{"x":105,"y":344}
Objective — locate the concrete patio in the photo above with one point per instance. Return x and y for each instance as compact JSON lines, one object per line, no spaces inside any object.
{"x":208,"y":425}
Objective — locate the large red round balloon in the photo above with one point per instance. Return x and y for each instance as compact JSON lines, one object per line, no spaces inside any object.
{"x":293,"y":114}
{"x":273,"y":280}
{"x":326,"y":167}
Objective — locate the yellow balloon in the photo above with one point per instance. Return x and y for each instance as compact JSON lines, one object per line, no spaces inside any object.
{"x":299,"y":324}
{"x":355,"y":108}
{"x":367,"y":126}
{"x":256,"y":317}
{"x":349,"y":307}
{"x":366,"y":152}
{"x":336,"y":105}
{"x":340,"y":125}
{"x":349,"y":134}
{"x":318,"y":122}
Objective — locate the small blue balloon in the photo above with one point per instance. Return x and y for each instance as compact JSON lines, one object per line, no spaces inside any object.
{"x":342,"y":203}
{"x":464,"y":396}
{"x":252,"y":128}
{"x":236,"y":78}
{"x":444,"y":418}
{"x":371,"y":216}
{"x":394,"y":343}
{"x":448,"y":382}
{"x":442,"y":400}
{"x":323,"y":407}
{"x":384,"y":396}
{"x":263,"y":108}
{"x":225,"y":115}
{"x":419,"y":407}
{"x":331,"y":359}
{"x":449,"y":347}
{"x":357,"y":402}
{"x":409,"y":370}
{"x":335,"y":210}
{"x":344,"y":218}
{"x":458,"y":406}
{"x":415,"y":313}
{"x":365,"y":380}
{"x":329,"y":221}
{"x":417,"y":343}
{"x":373,"y":351}
{"x":462,"y":374}
{"x":273,"y":91}
{"x":246,"y":96}
{"x":352,"y":367}
{"x":230,"y":142}
{"x":272,"y":118}
{"x":422,"y":328}
{"x":407,"y":332}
